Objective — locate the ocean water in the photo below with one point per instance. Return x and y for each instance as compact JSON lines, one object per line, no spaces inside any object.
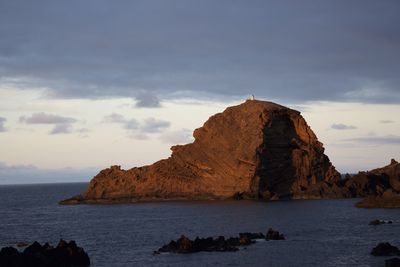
{"x":319,"y":233}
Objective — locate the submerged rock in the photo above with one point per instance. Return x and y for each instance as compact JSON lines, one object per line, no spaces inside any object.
{"x":380,"y":187}
{"x":379,"y":222}
{"x":257,"y":149}
{"x":185,"y":245}
{"x":274,"y":235}
{"x":393,"y":262}
{"x":385,"y":249}
{"x":219,"y":244}
{"x":66,"y":254}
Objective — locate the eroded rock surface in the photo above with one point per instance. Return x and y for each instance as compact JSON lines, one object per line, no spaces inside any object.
{"x":257,"y":149}
{"x":380,"y":187}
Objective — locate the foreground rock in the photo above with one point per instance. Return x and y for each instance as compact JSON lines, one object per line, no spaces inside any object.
{"x":379,"y":222}
{"x":66,"y":254}
{"x":219,"y":244}
{"x":393,"y":262}
{"x":385,"y":249}
{"x":257,"y":149}
{"x":274,"y":235}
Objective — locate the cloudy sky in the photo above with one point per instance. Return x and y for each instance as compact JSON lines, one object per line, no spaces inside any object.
{"x":88,"y":84}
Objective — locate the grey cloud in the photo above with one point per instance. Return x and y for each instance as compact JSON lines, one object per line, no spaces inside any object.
{"x":83,"y":132}
{"x":44,"y":118}
{"x":378,"y":140}
{"x":139,"y":136}
{"x":138,"y":130}
{"x":114,"y":118}
{"x":2,"y":127}
{"x":131,"y":124}
{"x":152,"y":125}
{"x":386,"y":121}
{"x":25,"y":174}
{"x":147,"y":100}
{"x":61,"y":129}
{"x":287,"y":50}
{"x":62,"y":125}
{"x":341,"y":126}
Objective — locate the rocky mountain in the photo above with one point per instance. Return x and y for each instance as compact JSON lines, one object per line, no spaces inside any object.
{"x":258,"y":150}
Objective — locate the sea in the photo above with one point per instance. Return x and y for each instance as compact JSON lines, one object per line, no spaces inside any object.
{"x":318,"y":232}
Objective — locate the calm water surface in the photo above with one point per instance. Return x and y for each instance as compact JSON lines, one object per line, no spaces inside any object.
{"x":319,"y":233}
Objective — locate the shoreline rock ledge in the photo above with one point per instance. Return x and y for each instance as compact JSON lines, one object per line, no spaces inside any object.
{"x":255,"y":150}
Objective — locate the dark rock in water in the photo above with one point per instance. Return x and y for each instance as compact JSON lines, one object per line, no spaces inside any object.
{"x":379,"y":222}
{"x":22,"y":244}
{"x":385,"y":249}
{"x":185,"y":245}
{"x":10,"y":257}
{"x":219,"y":244}
{"x":66,"y":254}
{"x":393,"y":262}
{"x":252,"y":235}
{"x":274,"y":235}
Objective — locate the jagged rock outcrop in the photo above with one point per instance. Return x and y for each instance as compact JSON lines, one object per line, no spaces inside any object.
{"x":257,"y":149}
{"x":65,"y":254}
{"x":219,"y":244}
{"x":380,"y":187}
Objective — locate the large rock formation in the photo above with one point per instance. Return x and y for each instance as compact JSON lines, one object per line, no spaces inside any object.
{"x":257,"y":149}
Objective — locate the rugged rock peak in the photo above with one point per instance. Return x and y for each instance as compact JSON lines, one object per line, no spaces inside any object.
{"x":257,"y":149}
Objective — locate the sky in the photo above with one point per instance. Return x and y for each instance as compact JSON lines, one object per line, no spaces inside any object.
{"x":89,"y":84}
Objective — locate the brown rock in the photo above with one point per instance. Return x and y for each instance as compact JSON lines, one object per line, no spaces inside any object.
{"x":257,"y":149}
{"x":389,"y":199}
{"x":385,"y":249}
{"x":274,"y":235}
{"x":380,"y":187}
